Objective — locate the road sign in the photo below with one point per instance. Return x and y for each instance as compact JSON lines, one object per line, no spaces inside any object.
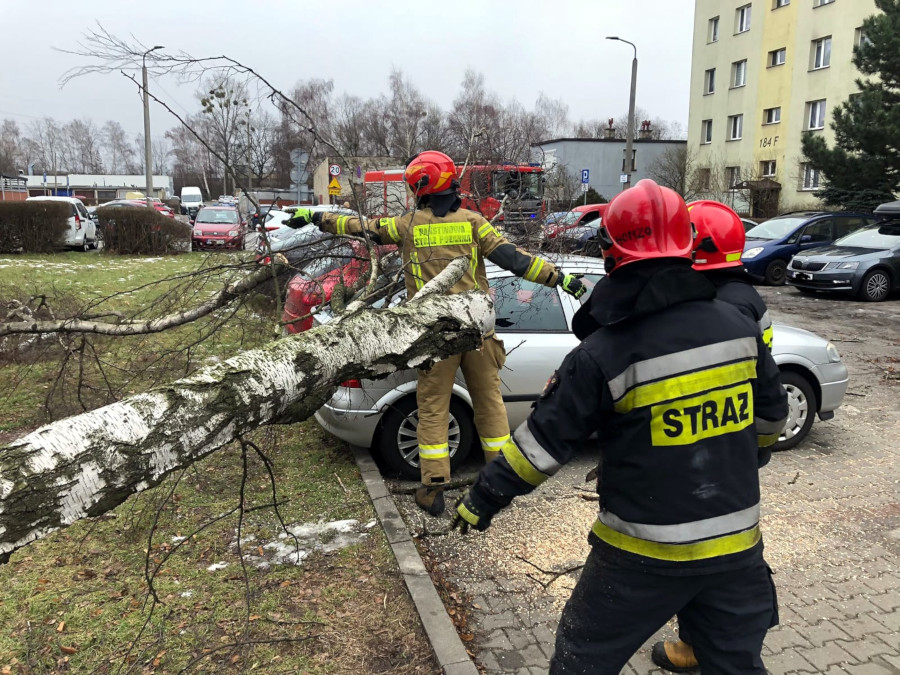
{"x":585,"y":187}
{"x":585,"y":176}
{"x":623,"y":178}
{"x":334,"y":187}
{"x":334,"y":169}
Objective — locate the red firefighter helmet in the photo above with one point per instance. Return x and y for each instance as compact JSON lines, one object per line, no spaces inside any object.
{"x":720,"y":235}
{"x":644,"y":222}
{"x":430,"y":173}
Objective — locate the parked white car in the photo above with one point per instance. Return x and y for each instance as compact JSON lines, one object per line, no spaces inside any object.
{"x":535,"y":323}
{"x":82,"y":230}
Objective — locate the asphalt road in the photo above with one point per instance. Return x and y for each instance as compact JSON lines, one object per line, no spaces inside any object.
{"x":831,"y":517}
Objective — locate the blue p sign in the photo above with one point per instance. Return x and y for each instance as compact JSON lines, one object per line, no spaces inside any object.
{"x":585,"y":176}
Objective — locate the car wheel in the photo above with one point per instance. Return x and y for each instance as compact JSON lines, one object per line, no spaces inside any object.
{"x":802,"y":407}
{"x":84,"y":244}
{"x":875,"y":286}
{"x":776,"y":273}
{"x":399,"y":446}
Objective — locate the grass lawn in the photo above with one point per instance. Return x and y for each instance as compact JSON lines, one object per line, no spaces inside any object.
{"x":324,"y":597}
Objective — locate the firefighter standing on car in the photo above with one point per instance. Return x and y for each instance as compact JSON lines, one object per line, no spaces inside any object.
{"x":430,"y":237}
{"x":686,"y":397}
{"x":717,"y":255}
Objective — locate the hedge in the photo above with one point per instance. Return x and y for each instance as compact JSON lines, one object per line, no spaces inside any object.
{"x":138,"y":229}
{"x":33,"y":227}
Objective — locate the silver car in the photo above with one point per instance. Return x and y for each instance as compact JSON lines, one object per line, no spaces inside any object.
{"x":535,"y":323}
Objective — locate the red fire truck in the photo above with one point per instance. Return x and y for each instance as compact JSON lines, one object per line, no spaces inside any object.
{"x":482,"y":187}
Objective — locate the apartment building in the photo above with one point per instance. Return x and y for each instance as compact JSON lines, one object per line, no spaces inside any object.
{"x":765,"y":72}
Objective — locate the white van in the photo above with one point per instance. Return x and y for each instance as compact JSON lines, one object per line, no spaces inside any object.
{"x":82,"y":232}
{"x":191,"y":201}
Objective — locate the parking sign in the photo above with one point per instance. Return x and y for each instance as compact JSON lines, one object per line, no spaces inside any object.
{"x":585,"y":176}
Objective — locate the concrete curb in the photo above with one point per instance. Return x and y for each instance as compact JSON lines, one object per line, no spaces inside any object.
{"x":448,"y":648}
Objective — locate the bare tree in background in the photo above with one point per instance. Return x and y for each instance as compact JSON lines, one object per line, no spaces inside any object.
{"x":118,"y":152}
{"x":224,"y":102}
{"x":676,"y":168}
{"x":11,"y":156}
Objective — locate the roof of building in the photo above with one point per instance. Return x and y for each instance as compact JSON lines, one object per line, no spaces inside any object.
{"x":98,"y":180}
{"x":607,"y":140}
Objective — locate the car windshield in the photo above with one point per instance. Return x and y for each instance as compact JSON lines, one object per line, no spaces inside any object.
{"x":775,"y":228}
{"x":217,"y":216}
{"x":336,"y":257}
{"x":570,"y":218}
{"x":518,"y":185}
{"x":191,"y":198}
{"x":883,"y":237}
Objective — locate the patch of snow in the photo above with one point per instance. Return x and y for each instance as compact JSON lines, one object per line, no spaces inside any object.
{"x":217,"y":566}
{"x":372,"y":523}
{"x":310,"y":537}
{"x":186,"y":594}
{"x":176,"y":539}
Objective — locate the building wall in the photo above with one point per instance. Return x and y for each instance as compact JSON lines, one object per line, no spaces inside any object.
{"x":351,"y":172}
{"x":603,"y":157}
{"x":790,"y":86}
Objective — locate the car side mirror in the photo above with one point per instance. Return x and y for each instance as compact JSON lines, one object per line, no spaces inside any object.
{"x":806,"y":238}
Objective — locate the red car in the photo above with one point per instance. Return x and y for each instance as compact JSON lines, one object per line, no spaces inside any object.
{"x":346,"y":263}
{"x":580,"y":215}
{"x":218,"y":227}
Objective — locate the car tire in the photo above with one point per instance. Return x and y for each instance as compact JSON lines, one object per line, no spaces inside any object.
{"x":776,"y":273}
{"x":875,"y":287}
{"x":85,"y":246}
{"x":398,"y":427}
{"x":802,"y":407}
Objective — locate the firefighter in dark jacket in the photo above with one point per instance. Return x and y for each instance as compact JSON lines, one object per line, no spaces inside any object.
{"x":430,"y":238}
{"x":687,"y":397}
{"x":717,"y":255}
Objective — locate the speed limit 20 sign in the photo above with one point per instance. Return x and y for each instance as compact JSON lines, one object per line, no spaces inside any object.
{"x":334,"y":169}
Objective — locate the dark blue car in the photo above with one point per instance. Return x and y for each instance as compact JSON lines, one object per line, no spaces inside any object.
{"x":771,"y":246}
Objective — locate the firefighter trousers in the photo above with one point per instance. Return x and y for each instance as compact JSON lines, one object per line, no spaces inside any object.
{"x":614,"y":609}
{"x":481,"y":370}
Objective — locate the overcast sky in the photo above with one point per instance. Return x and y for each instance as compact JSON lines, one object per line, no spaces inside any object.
{"x":523,"y":47}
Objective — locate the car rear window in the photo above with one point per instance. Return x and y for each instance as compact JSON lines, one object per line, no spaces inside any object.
{"x":884,"y":237}
{"x":523,"y":306}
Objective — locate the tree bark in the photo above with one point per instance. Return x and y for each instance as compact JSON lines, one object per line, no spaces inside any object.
{"x":88,"y":464}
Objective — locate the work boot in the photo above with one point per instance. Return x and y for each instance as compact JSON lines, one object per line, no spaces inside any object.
{"x":431,"y":499}
{"x":677,"y":657}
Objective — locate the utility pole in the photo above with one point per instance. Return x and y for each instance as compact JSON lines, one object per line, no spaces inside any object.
{"x":629,"y":133}
{"x":148,"y":166}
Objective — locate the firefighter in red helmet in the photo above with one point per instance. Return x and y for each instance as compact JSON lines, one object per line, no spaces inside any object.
{"x":430,"y":237}
{"x":687,"y":397}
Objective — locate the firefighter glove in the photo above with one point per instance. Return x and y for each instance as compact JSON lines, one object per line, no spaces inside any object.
{"x":572,"y":285}
{"x":303,"y":217}
{"x":471,"y":513}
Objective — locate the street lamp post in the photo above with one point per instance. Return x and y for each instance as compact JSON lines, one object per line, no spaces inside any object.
{"x":629,"y":134}
{"x":148,"y":166}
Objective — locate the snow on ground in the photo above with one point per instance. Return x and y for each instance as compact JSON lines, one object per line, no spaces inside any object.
{"x":301,"y":540}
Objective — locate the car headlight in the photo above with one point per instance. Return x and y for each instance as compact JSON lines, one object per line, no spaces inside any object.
{"x":752,"y":253}
{"x":198,"y":233}
{"x":842,"y":265}
{"x":233,"y":233}
{"x":833,"y":355}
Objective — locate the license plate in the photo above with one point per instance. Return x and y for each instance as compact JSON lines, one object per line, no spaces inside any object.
{"x":803,"y":276}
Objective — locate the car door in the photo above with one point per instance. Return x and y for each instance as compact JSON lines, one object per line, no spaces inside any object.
{"x":844,"y":225}
{"x":90,"y":227}
{"x":533,"y":324}
{"x":816,"y":234}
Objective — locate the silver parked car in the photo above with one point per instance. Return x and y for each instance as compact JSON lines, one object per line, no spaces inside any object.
{"x":535,"y":323}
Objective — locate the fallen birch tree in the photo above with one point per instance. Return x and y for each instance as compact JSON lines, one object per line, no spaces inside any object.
{"x":86,"y":465}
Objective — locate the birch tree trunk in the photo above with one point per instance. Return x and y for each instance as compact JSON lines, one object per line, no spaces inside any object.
{"x":88,"y":464}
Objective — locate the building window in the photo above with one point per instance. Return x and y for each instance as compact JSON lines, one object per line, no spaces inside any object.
{"x":819,"y":3}
{"x":712,"y":34}
{"x":732,"y":176}
{"x":821,"y":53}
{"x":706,"y":132}
{"x":811,"y":177}
{"x":704,"y":178}
{"x":861,"y":38}
{"x":739,"y":73}
{"x":772,"y":115}
{"x":709,"y":81}
{"x":735,"y":127}
{"x":742,"y":19}
{"x":777,"y":57}
{"x":815,"y":115}
{"x":781,"y":3}
{"x":767,"y":168}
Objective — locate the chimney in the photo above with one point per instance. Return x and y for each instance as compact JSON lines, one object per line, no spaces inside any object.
{"x":646,"y":131}
{"x":610,"y":132}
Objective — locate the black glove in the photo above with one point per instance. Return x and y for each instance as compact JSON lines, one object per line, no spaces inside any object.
{"x":572,"y":285}
{"x":304,"y":217}
{"x":472,"y":512}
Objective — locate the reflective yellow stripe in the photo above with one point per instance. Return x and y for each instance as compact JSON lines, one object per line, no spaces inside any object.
{"x":473,"y":265}
{"x":768,"y":336}
{"x":765,"y":440}
{"x":342,"y":225}
{"x":701,"y":550}
{"x":688,"y":384}
{"x":442,"y":234}
{"x":416,"y":270}
{"x":467,"y":515}
{"x":537,"y":264}
{"x":731,"y":257}
{"x":493,"y":443}
{"x":486,"y":229}
{"x":390,"y":224}
{"x":520,"y":464}
{"x":434,"y":451}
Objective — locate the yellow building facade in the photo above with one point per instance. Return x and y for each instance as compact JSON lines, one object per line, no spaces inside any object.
{"x":763,"y":73}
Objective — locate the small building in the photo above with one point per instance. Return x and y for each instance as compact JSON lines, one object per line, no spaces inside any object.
{"x":603,"y":157}
{"x":97,"y":189}
{"x":351,"y":176}
{"x":13,"y":188}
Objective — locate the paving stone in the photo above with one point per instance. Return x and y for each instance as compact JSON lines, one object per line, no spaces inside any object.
{"x":823,"y":632}
{"x":489,"y":662}
{"x":864,"y":624}
{"x":830,"y":654}
{"x":785,"y":637}
{"x":510,"y":659}
{"x":496,"y":640}
{"x":883,"y":583}
{"x":789,"y":661}
{"x":519,"y":639}
{"x":864,"y":650}
{"x":492,"y":622}
{"x":855,"y":606}
{"x":848,"y":588}
{"x":887,"y":602}
{"x":821,"y":611}
{"x":871,"y":669}
{"x":891,"y":620}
